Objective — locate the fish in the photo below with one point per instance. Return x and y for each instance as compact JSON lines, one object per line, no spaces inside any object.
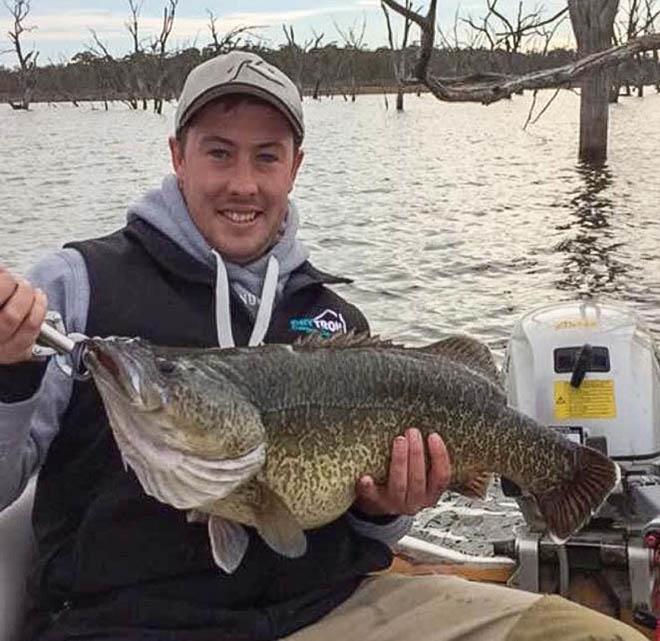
{"x":274,"y":437}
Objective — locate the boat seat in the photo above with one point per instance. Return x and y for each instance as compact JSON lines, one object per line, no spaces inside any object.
{"x":17,"y":548}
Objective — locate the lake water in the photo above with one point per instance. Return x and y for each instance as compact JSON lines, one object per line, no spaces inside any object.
{"x":449,"y":217}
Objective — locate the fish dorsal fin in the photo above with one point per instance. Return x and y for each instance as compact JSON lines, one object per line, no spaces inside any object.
{"x":459,"y":348}
{"x":349,"y":340}
{"x":469,"y":352}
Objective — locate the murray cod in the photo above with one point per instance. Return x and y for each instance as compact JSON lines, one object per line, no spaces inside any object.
{"x":275,"y":437}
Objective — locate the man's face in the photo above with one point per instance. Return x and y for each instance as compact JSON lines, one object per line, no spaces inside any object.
{"x":236,"y":170}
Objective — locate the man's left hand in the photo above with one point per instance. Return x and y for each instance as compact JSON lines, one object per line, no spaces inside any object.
{"x":409,"y":486}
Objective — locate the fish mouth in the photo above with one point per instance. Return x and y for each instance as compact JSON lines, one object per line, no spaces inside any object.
{"x":113,"y":364}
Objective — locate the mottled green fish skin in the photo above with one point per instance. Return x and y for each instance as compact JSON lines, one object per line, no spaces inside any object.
{"x":329,"y":415}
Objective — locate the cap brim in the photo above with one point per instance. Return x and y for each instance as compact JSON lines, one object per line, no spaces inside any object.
{"x":240,"y":88}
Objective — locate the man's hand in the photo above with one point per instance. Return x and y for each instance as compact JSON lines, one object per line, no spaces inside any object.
{"x":409,"y":487}
{"x":22,"y":310}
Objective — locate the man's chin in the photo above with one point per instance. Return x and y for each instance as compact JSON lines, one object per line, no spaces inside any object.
{"x":240,"y":254}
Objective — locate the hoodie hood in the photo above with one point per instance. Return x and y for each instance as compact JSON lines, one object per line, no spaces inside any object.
{"x":258,"y":284}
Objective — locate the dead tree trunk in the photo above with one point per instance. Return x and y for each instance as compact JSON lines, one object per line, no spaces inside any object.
{"x":353,"y":44}
{"x":19,"y":10}
{"x":159,"y":50}
{"x":640,"y":74}
{"x":593,"y":25}
{"x":398,"y":59}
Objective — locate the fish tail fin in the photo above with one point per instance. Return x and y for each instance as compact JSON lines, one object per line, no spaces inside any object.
{"x":567,"y":507}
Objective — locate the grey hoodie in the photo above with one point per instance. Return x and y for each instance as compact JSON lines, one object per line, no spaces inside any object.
{"x":27,"y":428}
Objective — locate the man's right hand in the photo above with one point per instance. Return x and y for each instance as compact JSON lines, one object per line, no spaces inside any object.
{"x":22,"y":310}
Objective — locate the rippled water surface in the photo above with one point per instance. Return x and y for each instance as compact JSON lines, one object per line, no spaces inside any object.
{"x":448,"y":217}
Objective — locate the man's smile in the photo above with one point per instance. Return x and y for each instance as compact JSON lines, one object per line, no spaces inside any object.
{"x":241,"y":217}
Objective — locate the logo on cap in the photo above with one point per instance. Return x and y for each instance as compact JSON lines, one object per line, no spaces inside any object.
{"x":259,"y":67}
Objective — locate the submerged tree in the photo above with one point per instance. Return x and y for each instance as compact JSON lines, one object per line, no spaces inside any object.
{"x":159,"y":52}
{"x":353,"y":38}
{"x":136,"y":59}
{"x":593,"y":24}
{"x":638,"y":18}
{"x":399,"y":57}
{"x":19,"y":10}
{"x":296,"y":55}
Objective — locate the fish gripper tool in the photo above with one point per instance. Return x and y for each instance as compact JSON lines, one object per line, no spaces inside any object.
{"x":66,"y":349}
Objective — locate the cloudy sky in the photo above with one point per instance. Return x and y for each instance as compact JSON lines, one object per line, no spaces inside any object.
{"x":63,"y":26}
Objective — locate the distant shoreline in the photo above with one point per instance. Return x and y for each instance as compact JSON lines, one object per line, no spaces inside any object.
{"x":6,"y":98}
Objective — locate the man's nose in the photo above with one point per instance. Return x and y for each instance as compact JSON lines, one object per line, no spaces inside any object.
{"x":243,"y":179}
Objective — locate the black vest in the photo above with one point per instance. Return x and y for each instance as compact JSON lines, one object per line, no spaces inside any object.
{"x":116,"y":563}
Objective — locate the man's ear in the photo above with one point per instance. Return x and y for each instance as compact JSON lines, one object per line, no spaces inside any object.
{"x":297,"y":161}
{"x":176,"y":155}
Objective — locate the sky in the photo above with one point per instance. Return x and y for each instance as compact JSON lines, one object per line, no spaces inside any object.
{"x":62,"y":27}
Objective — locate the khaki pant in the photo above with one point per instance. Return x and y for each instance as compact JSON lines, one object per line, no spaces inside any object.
{"x":444,"y":608}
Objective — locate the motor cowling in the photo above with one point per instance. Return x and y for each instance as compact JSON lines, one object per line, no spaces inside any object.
{"x":590,"y":370}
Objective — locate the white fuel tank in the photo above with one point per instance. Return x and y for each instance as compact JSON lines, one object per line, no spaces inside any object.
{"x":619,"y":395}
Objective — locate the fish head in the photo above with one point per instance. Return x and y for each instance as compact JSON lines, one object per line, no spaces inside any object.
{"x":174,"y":396}
{"x":169,"y":424}
{"x":130,"y":369}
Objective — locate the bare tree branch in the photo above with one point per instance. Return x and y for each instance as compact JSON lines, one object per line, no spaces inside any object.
{"x":548,"y":35}
{"x":492,"y":91}
{"x":524,"y":25}
{"x":413,"y":16}
{"x":353,"y":43}
{"x":159,"y":44}
{"x":101,"y":50}
{"x":483,"y":28}
{"x":19,"y":9}
{"x":547,"y":106}
{"x":390,"y":36}
{"x":232,"y":39}
{"x":135,"y":7}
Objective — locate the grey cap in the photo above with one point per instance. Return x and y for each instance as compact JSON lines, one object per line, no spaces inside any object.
{"x":243,"y":73}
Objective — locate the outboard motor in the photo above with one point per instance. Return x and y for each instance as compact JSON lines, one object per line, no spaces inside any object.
{"x":592,"y":371}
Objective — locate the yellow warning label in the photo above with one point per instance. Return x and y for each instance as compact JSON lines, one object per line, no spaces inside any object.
{"x":593,"y":399}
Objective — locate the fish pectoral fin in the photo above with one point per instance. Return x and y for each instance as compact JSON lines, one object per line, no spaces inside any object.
{"x":474,"y":486}
{"x":229,"y":542}
{"x":469,"y":352}
{"x":278,"y":526}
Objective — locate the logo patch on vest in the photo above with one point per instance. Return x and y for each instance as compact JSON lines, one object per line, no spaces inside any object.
{"x":327,"y":323}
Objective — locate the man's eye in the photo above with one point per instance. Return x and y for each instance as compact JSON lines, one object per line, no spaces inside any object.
{"x":267,"y":157}
{"x":219,"y":153}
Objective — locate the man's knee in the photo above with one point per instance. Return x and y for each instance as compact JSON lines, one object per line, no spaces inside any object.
{"x":553,"y":618}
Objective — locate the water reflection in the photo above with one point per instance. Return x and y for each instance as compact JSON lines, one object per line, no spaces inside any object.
{"x":590,"y":267}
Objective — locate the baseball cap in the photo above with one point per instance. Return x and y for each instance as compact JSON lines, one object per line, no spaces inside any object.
{"x":243,"y":73}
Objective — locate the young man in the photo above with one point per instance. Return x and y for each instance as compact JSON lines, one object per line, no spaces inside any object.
{"x":212,"y":258}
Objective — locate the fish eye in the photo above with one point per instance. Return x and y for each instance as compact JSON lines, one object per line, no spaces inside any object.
{"x":164,"y":366}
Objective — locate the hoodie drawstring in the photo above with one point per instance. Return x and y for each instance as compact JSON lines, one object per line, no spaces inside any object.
{"x":264,"y":313}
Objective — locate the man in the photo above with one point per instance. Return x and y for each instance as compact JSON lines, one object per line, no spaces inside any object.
{"x":212,"y":258}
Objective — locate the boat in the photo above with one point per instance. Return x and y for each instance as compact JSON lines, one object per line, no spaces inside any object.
{"x":588,"y":369}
